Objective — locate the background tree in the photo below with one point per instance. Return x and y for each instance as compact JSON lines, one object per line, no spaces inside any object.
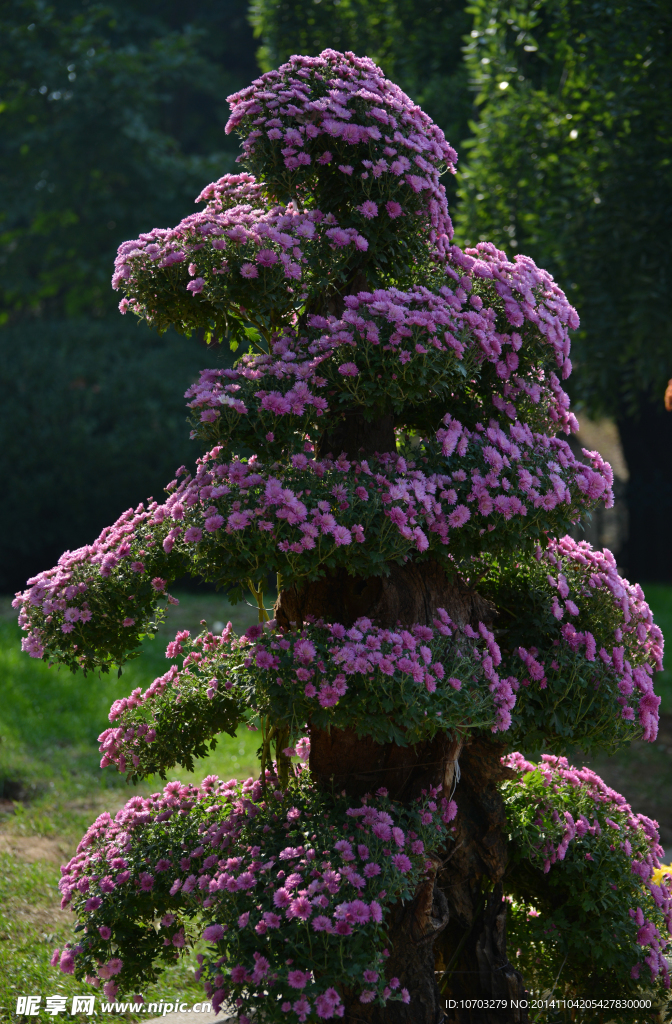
{"x":402,"y":399}
{"x":570,"y":161}
{"x":96,"y":99}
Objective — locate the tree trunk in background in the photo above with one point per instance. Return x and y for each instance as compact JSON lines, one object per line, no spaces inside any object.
{"x":647,"y":446}
{"x":454,"y":930}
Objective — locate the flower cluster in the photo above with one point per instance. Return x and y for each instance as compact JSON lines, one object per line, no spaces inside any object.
{"x":399,"y":685}
{"x":495,"y":483}
{"x":486,"y":346}
{"x":68,"y":608}
{"x":268,"y":403}
{"x":395,"y":349}
{"x":521,"y":319}
{"x":230,"y":259}
{"x":176,"y":718}
{"x":599,"y":911}
{"x":583,"y":643}
{"x":236,"y":521}
{"x":282,"y":884}
{"x":334,"y":124}
{"x":413,"y":352}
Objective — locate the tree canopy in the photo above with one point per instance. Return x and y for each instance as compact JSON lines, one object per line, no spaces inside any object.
{"x":571,"y":161}
{"x":111,"y":115}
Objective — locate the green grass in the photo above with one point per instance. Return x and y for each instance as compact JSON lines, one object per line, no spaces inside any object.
{"x":32,"y":924}
{"x":50,"y":718}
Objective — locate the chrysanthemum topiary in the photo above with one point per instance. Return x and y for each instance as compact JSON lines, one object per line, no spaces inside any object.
{"x":390,"y":444}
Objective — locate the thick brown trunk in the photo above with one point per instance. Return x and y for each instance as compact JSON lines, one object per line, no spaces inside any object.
{"x":471,"y":952}
{"x":411,"y":594}
{"x":340,"y":760}
{"x":454,"y":929}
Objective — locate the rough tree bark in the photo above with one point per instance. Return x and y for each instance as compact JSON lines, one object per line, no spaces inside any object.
{"x":450,"y":940}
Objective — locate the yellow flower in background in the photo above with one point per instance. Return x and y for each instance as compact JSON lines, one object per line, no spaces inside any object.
{"x":660,"y":874}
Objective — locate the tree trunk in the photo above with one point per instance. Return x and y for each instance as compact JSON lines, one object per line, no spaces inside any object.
{"x":412,"y":593}
{"x":647,"y":446}
{"x":471,"y":952}
{"x":454,"y":930}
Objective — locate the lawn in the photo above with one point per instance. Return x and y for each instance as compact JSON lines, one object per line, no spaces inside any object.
{"x":51,"y":787}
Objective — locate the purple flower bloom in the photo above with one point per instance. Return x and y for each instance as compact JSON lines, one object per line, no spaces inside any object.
{"x":356,"y":911}
{"x":298,"y":979}
{"x":266,"y":257}
{"x":300,"y":907}
{"x":459,"y":516}
{"x":382,"y":830}
{"x":348,"y":369}
{"x":321,"y":923}
{"x":236,"y":521}
{"x":368,"y":209}
{"x":238,"y":975}
{"x":301,"y":1008}
{"x":326,"y":1003}
{"x":282,"y":898}
{"x":341,"y":536}
{"x":67,"y":962}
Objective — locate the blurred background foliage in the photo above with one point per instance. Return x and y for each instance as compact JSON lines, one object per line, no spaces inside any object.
{"x":112,"y":120}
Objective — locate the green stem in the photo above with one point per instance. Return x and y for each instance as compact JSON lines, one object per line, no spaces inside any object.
{"x":258,"y":593}
{"x":264,"y":752}
{"x":281,"y":760}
